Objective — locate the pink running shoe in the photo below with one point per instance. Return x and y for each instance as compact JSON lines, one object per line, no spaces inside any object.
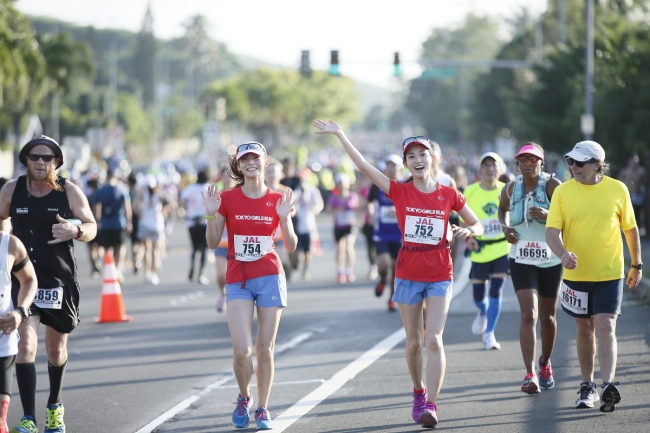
{"x":530,"y":385}
{"x":429,"y":416}
{"x":419,"y":403}
{"x":546,"y":380}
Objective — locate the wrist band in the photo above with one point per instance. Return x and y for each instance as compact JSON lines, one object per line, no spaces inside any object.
{"x":209,"y":217}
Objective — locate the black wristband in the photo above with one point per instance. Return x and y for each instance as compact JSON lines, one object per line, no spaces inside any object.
{"x":18,"y":266}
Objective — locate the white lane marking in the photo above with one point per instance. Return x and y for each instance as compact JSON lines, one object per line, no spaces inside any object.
{"x":217,"y":384}
{"x":339,"y":379}
{"x":292,"y":382}
{"x":190,"y":297}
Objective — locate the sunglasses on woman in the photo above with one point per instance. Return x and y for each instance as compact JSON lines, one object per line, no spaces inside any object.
{"x":251,"y":145}
{"x":579,"y":164}
{"x":417,"y":139}
{"x":35,"y":157}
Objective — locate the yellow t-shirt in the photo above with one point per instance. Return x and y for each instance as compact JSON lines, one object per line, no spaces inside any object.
{"x":485,"y":205}
{"x":590,"y":218}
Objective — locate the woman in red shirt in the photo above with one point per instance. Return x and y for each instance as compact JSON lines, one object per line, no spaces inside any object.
{"x":424,"y":269}
{"x":254,"y":276}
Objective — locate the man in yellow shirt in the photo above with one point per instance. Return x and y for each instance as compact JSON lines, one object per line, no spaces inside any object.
{"x":589,"y":211}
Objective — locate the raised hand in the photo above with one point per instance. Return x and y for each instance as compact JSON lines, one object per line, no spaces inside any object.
{"x":284,"y":205}
{"x":327,"y":128}
{"x":211,"y":200}
{"x":63,"y":231}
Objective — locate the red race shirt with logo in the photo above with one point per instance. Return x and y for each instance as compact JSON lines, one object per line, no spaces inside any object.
{"x":424,"y":220}
{"x":251,"y":223}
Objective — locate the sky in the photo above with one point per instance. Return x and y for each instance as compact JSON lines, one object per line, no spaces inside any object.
{"x":365,"y":32}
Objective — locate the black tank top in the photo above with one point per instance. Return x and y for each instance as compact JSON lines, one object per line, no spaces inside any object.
{"x":32,"y":219}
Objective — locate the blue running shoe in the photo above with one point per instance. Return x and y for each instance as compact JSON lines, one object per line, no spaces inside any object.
{"x":240,"y":417}
{"x":546,"y":380}
{"x":27,"y":425}
{"x":54,"y":422}
{"x":263,"y":419}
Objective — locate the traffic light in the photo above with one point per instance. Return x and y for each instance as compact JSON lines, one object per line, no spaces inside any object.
{"x":305,"y":67}
{"x":334,"y":63}
{"x":397,"y":69}
{"x":206,"y":108}
{"x":84,"y":105}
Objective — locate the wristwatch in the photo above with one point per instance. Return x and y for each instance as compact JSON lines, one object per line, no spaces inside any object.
{"x":471,"y":229}
{"x":639,"y":266}
{"x":80,"y":233}
{"x":24,"y":312}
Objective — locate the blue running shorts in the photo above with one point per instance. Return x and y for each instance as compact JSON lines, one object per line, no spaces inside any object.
{"x":267,"y":291}
{"x":221,"y":252}
{"x":412,"y":292}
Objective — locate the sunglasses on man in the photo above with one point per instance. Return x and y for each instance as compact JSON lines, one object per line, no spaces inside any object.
{"x":579,"y":164}
{"x":35,"y":157}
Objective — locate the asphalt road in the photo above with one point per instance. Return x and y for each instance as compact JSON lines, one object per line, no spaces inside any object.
{"x":339,"y":362}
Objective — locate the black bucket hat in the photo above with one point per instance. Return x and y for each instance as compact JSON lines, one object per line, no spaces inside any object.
{"x":44,"y":140}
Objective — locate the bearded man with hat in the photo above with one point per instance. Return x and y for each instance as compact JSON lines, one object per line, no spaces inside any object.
{"x":43,"y":208}
{"x":583,"y":228}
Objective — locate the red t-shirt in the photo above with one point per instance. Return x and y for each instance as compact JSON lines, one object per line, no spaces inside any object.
{"x":251,"y":223}
{"x":424,"y":219}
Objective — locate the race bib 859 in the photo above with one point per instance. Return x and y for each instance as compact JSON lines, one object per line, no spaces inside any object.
{"x":49,"y":298}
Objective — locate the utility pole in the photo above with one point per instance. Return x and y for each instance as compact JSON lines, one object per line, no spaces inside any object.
{"x":113,"y":82}
{"x":563,"y":21}
{"x":587,"y":120}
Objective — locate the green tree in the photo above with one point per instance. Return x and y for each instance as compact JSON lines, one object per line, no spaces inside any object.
{"x":278,"y":106}
{"x":144,"y":58}
{"x":69,"y":64}
{"x":438,"y":104}
{"x":22,"y":69}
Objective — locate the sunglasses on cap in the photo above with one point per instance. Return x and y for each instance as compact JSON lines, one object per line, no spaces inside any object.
{"x":250,"y":146}
{"x":417,"y":139}
{"x":580,"y":164}
{"x":35,"y":157}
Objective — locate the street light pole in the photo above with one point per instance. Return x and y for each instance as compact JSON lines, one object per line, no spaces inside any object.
{"x":587,"y":121}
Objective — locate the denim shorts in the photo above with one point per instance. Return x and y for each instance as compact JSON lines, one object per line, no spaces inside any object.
{"x":267,"y":291}
{"x":412,"y":292}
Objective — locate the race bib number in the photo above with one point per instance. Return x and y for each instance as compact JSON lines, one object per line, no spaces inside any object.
{"x":423,"y":230}
{"x":387,"y":215}
{"x":49,"y":298}
{"x":491,"y":228}
{"x":345,"y":218}
{"x":576,"y":302}
{"x":532,"y":253}
{"x":252,"y":248}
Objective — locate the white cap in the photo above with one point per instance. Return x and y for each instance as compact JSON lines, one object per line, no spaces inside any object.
{"x":493,"y":155}
{"x":250,"y":147}
{"x":395,"y":159}
{"x":586,"y":150}
{"x":341,"y":177}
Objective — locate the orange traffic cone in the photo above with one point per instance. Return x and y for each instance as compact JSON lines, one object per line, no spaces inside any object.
{"x":111,"y":308}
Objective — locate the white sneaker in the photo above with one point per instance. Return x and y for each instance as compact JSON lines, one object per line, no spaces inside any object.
{"x":154,"y":279}
{"x":489,"y":342}
{"x":480,"y":324}
{"x":373,"y":274}
{"x":587,"y":395}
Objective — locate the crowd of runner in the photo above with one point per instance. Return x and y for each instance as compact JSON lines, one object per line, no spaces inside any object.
{"x":255,"y":219}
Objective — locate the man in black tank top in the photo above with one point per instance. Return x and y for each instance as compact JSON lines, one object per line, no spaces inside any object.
{"x":41,"y":206}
